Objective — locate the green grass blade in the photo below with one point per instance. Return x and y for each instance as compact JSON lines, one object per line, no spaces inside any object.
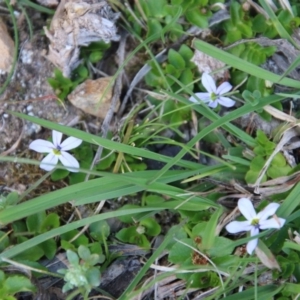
{"x":243,"y":65}
{"x":226,"y":119}
{"x":15,"y":250}
{"x":290,"y":203}
{"x":108,"y":144}
{"x":280,"y":29}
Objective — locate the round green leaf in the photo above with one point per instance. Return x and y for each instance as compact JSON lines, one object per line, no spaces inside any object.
{"x":52,"y":221}
{"x":278,"y":160}
{"x":195,"y":17}
{"x":49,"y":247}
{"x":176,"y":59}
{"x":152,"y":227}
{"x":84,"y":252}
{"x":95,"y":56}
{"x":72,"y":257}
{"x":126,"y":234}
{"x":257,"y":163}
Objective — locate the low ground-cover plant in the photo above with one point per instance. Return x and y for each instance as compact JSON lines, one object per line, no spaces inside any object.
{"x":204,"y":242}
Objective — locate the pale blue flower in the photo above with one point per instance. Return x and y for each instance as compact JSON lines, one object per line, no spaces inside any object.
{"x":57,"y":152}
{"x":213,"y":97}
{"x":255,"y":222}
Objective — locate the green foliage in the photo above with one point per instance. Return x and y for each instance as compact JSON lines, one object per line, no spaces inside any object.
{"x":82,"y":272}
{"x":94,"y":52}
{"x":138,"y":233}
{"x":239,"y":26}
{"x":99,"y":231}
{"x":253,"y":52}
{"x":9,"y":200}
{"x":199,"y":249}
{"x":63,"y":86}
{"x":13,"y":284}
{"x":80,"y":239}
{"x":266,"y":27}
{"x":178,"y":67}
{"x":33,"y":225}
{"x":263,"y":149}
{"x":151,"y":16}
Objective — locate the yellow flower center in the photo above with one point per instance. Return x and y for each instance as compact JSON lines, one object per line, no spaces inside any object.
{"x":255,"y":222}
{"x":213,"y":96}
{"x":56,"y":152}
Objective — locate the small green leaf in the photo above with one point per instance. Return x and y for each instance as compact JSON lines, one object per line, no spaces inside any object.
{"x":278,"y":160}
{"x":275,"y":171}
{"x":99,"y":230}
{"x":221,"y":242}
{"x":34,"y":222}
{"x":72,"y":257}
{"x":4,"y":241}
{"x":93,"y":277}
{"x":12,"y":198}
{"x":127,"y":234}
{"x":186,"y":78}
{"x":176,"y":59}
{"x":82,"y":71}
{"x":172,"y":70}
{"x":154,"y":27}
{"x":75,"y":178}
{"x":251,"y":98}
{"x":195,"y":17}
{"x":84,"y":252}
{"x":152,"y":199}
{"x":49,"y":247}
{"x":257,"y":163}
{"x":141,"y":241}
{"x":152,"y":227}
{"x":67,"y":245}
{"x":93,"y":259}
{"x":15,"y":284}
{"x":51,"y":222}
{"x":32,"y":254}
{"x":154,"y":8}
{"x":129,"y":218}
{"x":208,"y":236}
{"x":180,"y":253}
{"x":107,"y":161}
{"x":251,"y":176}
{"x":95,"y":56}
{"x":186,"y":53}
{"x":59,"y":174}
{"x":80,"y":240}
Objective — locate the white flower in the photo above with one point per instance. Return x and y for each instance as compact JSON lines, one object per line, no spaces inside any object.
{"x":57,"y":151}
{"x":255,"y":222}
{"x":214,"y":95}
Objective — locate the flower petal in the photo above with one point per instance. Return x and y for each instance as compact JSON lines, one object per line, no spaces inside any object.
{"x":56,"y":138}
{"x":271,"y":223}
{"x":268,"y":211}
{"x":247,"y":209}
{"x":70,"y":143}
{"x":209,"y":83}
{"x":224,"y":88}
{"x":204,"y":97}
{"x":41,"y":146}
{"x":237,"y":226}
{"x":69,"y":161}
{"x":225,"y":101}
{"x":49,"y":162}
{"x":251,"y":245}
{"x":213,"y":104}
